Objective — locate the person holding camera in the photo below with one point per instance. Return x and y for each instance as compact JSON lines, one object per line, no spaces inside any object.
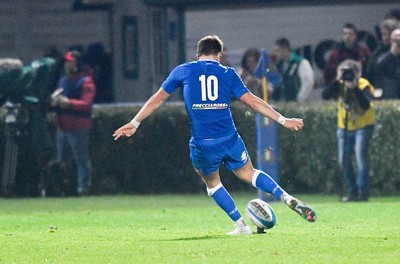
{"x":356,"y":119}
{"x":73,"y":102}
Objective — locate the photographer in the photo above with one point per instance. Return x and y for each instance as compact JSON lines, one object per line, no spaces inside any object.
{"x":356,"y":118}
{"x":73,"y":102}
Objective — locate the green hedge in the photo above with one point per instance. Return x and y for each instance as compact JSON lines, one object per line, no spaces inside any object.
{"x":156,"y":159}
{"x":309,"y":158}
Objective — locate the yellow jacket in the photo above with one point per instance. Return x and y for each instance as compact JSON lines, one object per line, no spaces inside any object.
{"x":358,"y":118}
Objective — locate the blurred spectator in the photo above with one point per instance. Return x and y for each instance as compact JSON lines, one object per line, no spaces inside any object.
{"x":386,"y":28}
{"x":393,"y":13}
{"x":248,"y":68}
{"x":388,"y":69}
{"x":100,"y":61}
{"x":356,"y":119}
{"x":348,"y":48}
{"x":297,"y":74}
{"x":73,"y":101}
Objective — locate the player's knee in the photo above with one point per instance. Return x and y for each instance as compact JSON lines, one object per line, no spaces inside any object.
{"x":254,"y":177}
{"x":211,"y":191}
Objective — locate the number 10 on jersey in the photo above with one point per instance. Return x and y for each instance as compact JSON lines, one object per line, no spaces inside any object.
{"x":209,"y":87}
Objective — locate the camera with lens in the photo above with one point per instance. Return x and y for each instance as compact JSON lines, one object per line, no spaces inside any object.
{"x":348,"y":74}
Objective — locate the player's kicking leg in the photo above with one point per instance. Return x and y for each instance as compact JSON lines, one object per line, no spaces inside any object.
{"x":264,"y":182}
{"x":299,"y":207}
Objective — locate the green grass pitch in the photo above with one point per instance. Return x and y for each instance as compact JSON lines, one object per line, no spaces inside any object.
{"x":192,"y":229}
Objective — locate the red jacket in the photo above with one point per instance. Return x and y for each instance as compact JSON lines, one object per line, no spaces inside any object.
{"x":341,"y":53}
{"x":81,"y":90}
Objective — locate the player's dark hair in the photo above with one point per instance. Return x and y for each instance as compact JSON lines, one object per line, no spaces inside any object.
{"x":210,"y":45}
{"x":283,"y":43}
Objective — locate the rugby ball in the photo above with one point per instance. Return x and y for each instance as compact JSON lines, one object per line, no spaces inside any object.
{"x":261,"y":213}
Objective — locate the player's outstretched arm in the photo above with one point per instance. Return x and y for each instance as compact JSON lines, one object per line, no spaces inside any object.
{"x":148,"y":108}
{"x":258,"y":105}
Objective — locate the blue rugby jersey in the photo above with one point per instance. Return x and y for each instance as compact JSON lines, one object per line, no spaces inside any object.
{"x":208,"y":87}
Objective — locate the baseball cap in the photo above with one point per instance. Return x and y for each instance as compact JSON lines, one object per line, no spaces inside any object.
{"x":69,"y":56}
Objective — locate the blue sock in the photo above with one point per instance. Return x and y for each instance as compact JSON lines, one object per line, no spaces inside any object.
{"x":264,"y":182}
{"x":225,"y":201}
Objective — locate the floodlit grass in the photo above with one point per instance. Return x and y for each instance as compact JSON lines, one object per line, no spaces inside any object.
{"x":192,"y":229}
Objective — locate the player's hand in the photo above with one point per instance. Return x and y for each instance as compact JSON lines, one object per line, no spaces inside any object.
{"x":294,"y":124}
{"x":125,"y":131}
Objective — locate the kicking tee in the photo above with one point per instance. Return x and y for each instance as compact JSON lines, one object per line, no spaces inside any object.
{"x":208,"y":87}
